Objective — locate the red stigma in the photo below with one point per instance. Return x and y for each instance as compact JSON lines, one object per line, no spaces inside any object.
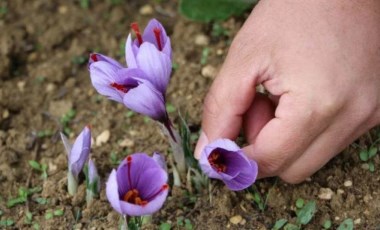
{"x":129,"y":163}
{"x":216,"y":162}
{"x":94,"y":57}
{"x":133,"y":197}
{"x":135,"y":28}
{"x":165,"y":186}
{"x":157,"y":34}
{"x":119,"y":87}
{"x":129,"y":159}
{"x":89,"y":126}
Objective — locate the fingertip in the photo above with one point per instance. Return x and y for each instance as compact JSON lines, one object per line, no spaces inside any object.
{"x":202,"y":142}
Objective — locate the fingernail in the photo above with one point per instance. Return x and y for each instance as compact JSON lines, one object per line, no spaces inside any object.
{"x":202,"y":142}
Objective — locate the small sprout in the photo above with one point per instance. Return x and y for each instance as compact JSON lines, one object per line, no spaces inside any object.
{"x":188,"y":225}
{"x":146,"y":120}
{"x":279,"y":224}
{"x":305,"y":215}
{"x":36,"y":226}
{"x":129,"y":114}
{"x":114,"y":158}
{"x":204,"y":57}
{"x":7,"y":223}
{"x":58,"y":212}
{"x":218,"y":30}
{"x":28,"y":217}
{"x":48,"y":215}
{"x":1,"y":212}
{"x":92,"y":181}
{"x":327,"y":224}
{"x":170,"y":108}
{"x":290,"y":226}
{"x":39,"y":167}
{"x":165,"y":226}
{"x":300,"y":202}
{"x":363,"y":155}
{"x":372,"y":152}
{"x":44,"y":133}
{"x":371,"y":166}
{"x":175,"y":65}
{"x":347,"y":224}
{"x":41,"y":200}
{"x":40,"y":79}
{"x":85,"y":4}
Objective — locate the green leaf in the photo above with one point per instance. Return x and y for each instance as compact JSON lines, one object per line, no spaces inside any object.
{"x":327,"y":224}
{"x":36,"y":226}
{"x":41,"y":200}
{"x":300,"y":202}
{"x":188,"y":225}
{"x":279,"y":224}
{"x":58,"y":212}
{"x":35,"y":165}
{"x":204,"y":57}
{"x":290,"y":226}
{"x":185,"y":134}
{"x":306,"y":213}
{"x":347,"y":224}
{"x":29,"y":217}
{"x":170,"y":108}
{"x":48,"y":215}
{"x":363,"y":155}
{"x":15,"y":201}
{"x":371,"y":166}
{"x":372,"y":152}
{"x":165,"y":226}
{"x":209,"y":10}
{"x":7,"y":223}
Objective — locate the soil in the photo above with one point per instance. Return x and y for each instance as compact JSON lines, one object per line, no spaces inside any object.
{"x":44,"y":47}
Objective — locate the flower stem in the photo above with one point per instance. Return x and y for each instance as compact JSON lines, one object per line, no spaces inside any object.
{"x":72,"y":183}
{"x":176,"y":145}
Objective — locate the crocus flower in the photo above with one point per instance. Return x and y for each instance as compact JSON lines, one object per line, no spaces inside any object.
{"x":77,"y":155}
{"x":138,"y":187}
{"x":127,"y":86}
{"x":224,"y":160}
{"x":93,"y":181}
{"x":151,"y":52}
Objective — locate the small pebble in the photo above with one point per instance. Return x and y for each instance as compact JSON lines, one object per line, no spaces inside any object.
{"x":50,"y":87}
{"x":340,"y":191}
{"x":127,"y":143}
{"x":337,"y":218}
{"x":5,"y":114}
{"x":209,"y":71}
{"x":146,"y":10}
{"x":236,"y":219}
{"x":325,"y":194}
{"x":21,"y":85}
{"x":103,"y":137}
{"x":243,"y":222}
{"x":357,"y":221}
{"x":62,"y":9}
{"x":347,"y":183}
{"x":365,"y":166}
{"x":219,"y":52}
{"x":201,"y":40}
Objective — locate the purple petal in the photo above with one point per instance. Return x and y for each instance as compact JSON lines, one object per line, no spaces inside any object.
{"x":167,"y":49}
{"x":224,"y":144}
{"x":112,"y":192}
{"x":95,"y":57}
{"x":80,"y":151}
{"x":150,"y":182}
{"x":156,"y":65}
{"x":149,"y":36}
{"x":148,"y":209}
{"x":66,"y":143}
{"x":103,"y":74}
{"x":130,"y":53}
{"x":92,"y":172}
{"x":145,"y":99}
{"x":245,"y":178}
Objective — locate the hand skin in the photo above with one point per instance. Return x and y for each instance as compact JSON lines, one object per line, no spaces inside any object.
{"x":320,"y":63}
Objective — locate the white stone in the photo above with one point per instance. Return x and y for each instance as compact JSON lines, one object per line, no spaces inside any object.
{"x":209,"y":71}
{"x":103,"y":137}
{"x":325,"y":194}
{"x":5,"y":114}
{"x":146,"y":10}
{"x":236,"y":219}
{"x":347,"y":183}
{"x":21,"y":85}
{"x":201,"y":40}
{"x":357,"y":221}
{"x":127,"y":143}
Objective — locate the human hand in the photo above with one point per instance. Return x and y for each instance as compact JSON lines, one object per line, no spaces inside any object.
{"x":320,"y":63}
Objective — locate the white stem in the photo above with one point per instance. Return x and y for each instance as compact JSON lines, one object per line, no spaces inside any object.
{"x":176,"y":145}
{"x":89,"y":196}
{"x":72,"y":183}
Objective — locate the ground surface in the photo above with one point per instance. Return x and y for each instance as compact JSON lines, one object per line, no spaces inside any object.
{"x":44,"y":46}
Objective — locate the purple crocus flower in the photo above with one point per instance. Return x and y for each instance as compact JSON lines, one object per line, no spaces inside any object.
{"x":154,"y":33}
{"x":127,"y":86}
{"x":93,"y":177}
{"x":77,"y":153}
{"x":138,"y":187}
{"x":224,"y":160}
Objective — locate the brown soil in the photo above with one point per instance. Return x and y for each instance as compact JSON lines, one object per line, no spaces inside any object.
{"x":42,"y":76}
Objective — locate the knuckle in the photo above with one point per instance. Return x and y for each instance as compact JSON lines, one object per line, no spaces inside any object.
{"x":271,"y":166}
{"x":292,"y":178}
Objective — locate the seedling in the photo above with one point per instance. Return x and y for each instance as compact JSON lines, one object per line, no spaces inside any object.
{"x":79,"y":60}
{"x":186,"y":223}
{"x":204,"y":56}
{"x":165,"y":226}
{"x":28,"y":217}
{"x":56,"y":213}
{"x":300,"y":203}
{"x":218,"y":30}
{"x":279,"y":224}
{"x":44,"y":133}
{"x":367,"y":155}
{"x":66,"y":119}
{"x":85,"y":4}
{"x":347,"y":224}
{"x":327,"y":224}
{"x":129,"y":114}
{"x":41,"y":200}
{"x":23,"y":194}
{"x":42,"y":168}
{"x":304,"y":216}
{"x":6,"y":223}
{"x":170,"y":108}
